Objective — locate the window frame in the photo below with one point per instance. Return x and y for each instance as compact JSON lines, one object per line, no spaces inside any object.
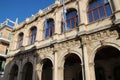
{"x":73,"y":20}
{"x":20,"y":40}
{"x":97,"y":11}
{"x":32,"y":36}
{"x":49,"y":28}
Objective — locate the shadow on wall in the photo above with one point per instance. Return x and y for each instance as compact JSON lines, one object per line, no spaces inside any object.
{"x":21,"y":66}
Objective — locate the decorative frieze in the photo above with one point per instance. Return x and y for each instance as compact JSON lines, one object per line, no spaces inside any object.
{"x":67,"y":45}
{"x":59,"y":46}
{"x":45,"y":50}
{"x":100,"y":35}
{"x":24,"y":56}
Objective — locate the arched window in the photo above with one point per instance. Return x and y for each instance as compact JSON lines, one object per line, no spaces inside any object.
{"x":20,"y":40}
{"x":72,"y":67}
{"x":99,"y":72}
{"x":27,"y":71}
{"x":14,"y":73}
{"x":49,"y":28}
{"x":71,"y":20}
{"x":47,"y":70}
{"x":33,"y":32}
{"x":98,"y":9}
{"x":2,"y":63}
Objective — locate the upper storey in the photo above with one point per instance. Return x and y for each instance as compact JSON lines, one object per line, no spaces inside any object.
{"x":5,"y":38}
{"x":64,"y":20}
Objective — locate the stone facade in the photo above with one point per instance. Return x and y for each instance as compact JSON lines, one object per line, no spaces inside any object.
{"x":87,"y":52}
{"x":5,"y":37}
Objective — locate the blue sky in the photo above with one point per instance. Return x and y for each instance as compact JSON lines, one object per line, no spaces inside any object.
{"x":21,"y":9}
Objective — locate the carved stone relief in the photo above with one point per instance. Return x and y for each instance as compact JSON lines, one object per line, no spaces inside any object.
{"x":100,"y":35}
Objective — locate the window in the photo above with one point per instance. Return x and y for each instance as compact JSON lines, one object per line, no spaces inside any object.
{"x":1,"y":34}
{"x":62,"y":1}
{"x":9,"y":36}
{"x":33,"y":32}
{"x":98,"y":9}
{"x":2,"y":64}
{"x":20,"y":40}
{"x":71,"y":20}
{"x":49,"y":28}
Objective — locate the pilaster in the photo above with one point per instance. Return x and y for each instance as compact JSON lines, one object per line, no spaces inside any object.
{"x":92,"y":71}
{"x":86,"y":66}
{"x":55,"y":67}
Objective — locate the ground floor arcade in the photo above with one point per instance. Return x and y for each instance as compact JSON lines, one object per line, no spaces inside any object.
{"x":104,"y":65}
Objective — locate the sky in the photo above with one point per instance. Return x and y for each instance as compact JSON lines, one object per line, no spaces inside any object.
{"x":21,"y":9}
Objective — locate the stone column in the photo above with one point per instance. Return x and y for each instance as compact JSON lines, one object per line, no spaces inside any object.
{"x":116,"y":4}
{"x":34,"y":69}
{"x":38,"y":72}
{"x":61,"y":73}
{"x":55,"y":73}
{"x":82,"y":71}
{"x":86,"y":66}
{"x":19,"y":71}
{"x":92,"y":71}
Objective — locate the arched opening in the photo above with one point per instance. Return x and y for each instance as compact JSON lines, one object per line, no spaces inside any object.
{"x":13,"y":73}
{"x":20,"y":40}
{"x":27,"y":71}
{"x":107,"y":60}
{"x":32,"y":36}
{"x":2,"y":63}
{"x":47,"y":71}
{"x":70,"y":20}
{"x":49,"y":27}
{"x":98,"y":9}
{"x":72,"y":67}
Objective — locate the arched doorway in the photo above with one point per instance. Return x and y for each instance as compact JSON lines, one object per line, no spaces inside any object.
{"x":14,"y":72}
{"x":27,"y":71}
{"x":107,"y":60}
{"x":72,"y":67}
{"x":47,"y":71}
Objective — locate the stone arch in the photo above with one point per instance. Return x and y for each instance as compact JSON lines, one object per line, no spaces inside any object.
{"x":72,"y":8}
{"x":72,"y":67}
{"x":61,"y":59}
{"x":19,"y":33}
{"x":94,"y":51}
{"x":28,"y":27}
{"x":32,"y":27}
{"x":11,"y":64}
{"x":105,"y":59}
{"x":27,"y":71}
{"x":43,"y":57}
{"x":13,"y":72}
{"x":47,"y":69}
{"x":28,"y":59}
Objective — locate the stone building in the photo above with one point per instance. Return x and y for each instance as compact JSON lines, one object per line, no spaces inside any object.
{"x":5,"y":37}
{"x":68,"y":40}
